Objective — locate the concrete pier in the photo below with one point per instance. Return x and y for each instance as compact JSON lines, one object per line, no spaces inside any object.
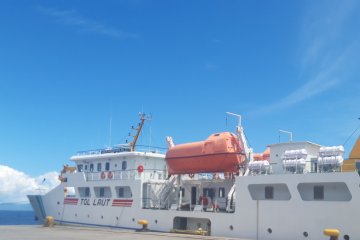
{"x":60,"y":232}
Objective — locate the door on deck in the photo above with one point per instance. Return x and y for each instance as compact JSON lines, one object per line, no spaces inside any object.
{"x":193,"y":195}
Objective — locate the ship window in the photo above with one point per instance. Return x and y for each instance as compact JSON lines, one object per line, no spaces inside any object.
{"x":99,"y":167}
{"x":124,"y":165}
{"x":269,"y":192}
{"x":70,"y":192}
{"x":123,"y":192}
{"x":84,"y":191}
{"x":91,"y":167}
{"x":318,"y":192}
{"x":80,"y":167}
{"x":277,"y":191}
{"x":102,"y":192}
{"x":87,"y":192}
{"x":221,"y":192}
{"x":357,"y":166}
{"x":324,"y":191}
{"x":107,"y":166}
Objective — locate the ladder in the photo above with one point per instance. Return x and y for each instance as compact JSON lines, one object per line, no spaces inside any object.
{"x":164,"y":192}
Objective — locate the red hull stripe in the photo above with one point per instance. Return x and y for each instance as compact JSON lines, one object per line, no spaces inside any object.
{"x":72,"y":201}
{"x":125,"y":200}
{"x":122,"y":202}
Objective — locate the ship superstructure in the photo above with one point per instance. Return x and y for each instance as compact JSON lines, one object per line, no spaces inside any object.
{"x":293,"y":190}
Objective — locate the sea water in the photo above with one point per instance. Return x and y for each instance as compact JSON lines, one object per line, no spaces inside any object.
{"x":11,"y":217}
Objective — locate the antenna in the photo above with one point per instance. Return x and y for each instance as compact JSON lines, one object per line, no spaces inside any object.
{"x":138,"y":130}
{"x":110,"y":131}
{"x":288,"y":132}
{"x":352,"y":133}
{"x":236,"y":115}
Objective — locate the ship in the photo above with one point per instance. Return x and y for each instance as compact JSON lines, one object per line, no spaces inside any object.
{"x":217,"y":187}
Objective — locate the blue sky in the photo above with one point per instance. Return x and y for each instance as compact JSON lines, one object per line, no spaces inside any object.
{"x":67,"y":67}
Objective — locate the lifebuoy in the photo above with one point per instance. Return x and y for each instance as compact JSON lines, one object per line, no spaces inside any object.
{"x":110,"y":175}
{"x":103,"y":175}
{"x":140,"y":168}
{"x":191,"y":175}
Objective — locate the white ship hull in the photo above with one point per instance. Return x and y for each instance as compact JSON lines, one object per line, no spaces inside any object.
{"x":253,"y":219}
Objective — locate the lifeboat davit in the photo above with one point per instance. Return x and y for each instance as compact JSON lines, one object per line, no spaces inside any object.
{"x":220,"y":152}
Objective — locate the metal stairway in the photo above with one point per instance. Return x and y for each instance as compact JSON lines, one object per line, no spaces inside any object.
{"x":164,"y":192}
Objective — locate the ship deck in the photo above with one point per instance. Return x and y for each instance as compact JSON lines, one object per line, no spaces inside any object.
{"x":37,"y":232}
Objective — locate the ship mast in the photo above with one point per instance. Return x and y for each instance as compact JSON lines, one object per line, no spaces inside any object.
{"x":138,"y":131}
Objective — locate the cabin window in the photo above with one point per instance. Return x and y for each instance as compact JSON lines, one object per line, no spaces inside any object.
{"x":123,"y":192}
{"x":102,"y":192}
{"x":276,"y":191}
{"x":70,"y":191}
{"x":124,"y":165}
{"x":318,"y":192}
{"x":107,"y":166}
{"x":91,"y":167}
{"x":99,"y":167}
{"x":357,"y":166}
{"x":269,"y":192}
{"x":84,"y":191}
{"x":221,"y":192}
{"x":324,"y":191}
{"x":87,"y":192}
{"x":80,"y":168}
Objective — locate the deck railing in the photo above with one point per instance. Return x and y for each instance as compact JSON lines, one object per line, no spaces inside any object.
{"x":125,"y":175}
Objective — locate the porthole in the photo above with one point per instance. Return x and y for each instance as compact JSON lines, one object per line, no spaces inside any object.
{"x":75,"y":214}
{"x":305,"y":234}
{"x":117,"y":218}
{"x":269,"y":230}
{"x":58,"y":203}
{"x":346,"y":237}
{"x":133,"y":219}
{"x":88,"y":215}
{"x":102,"y":217}
{"x":156,"y":221}
{"x":231,"y":227}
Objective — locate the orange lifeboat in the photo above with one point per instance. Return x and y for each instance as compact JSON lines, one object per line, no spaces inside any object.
{"x":221,"y":152}
{"x":262,"y":156}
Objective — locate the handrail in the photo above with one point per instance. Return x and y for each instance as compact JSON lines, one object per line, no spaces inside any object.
{"x":155,"y":174}
{"x":124,"y":148}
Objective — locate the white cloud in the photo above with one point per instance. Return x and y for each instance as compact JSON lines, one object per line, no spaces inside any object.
{"x":15,"y":185}
{"x":73,"y":18}
{"x":326,"y":57}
